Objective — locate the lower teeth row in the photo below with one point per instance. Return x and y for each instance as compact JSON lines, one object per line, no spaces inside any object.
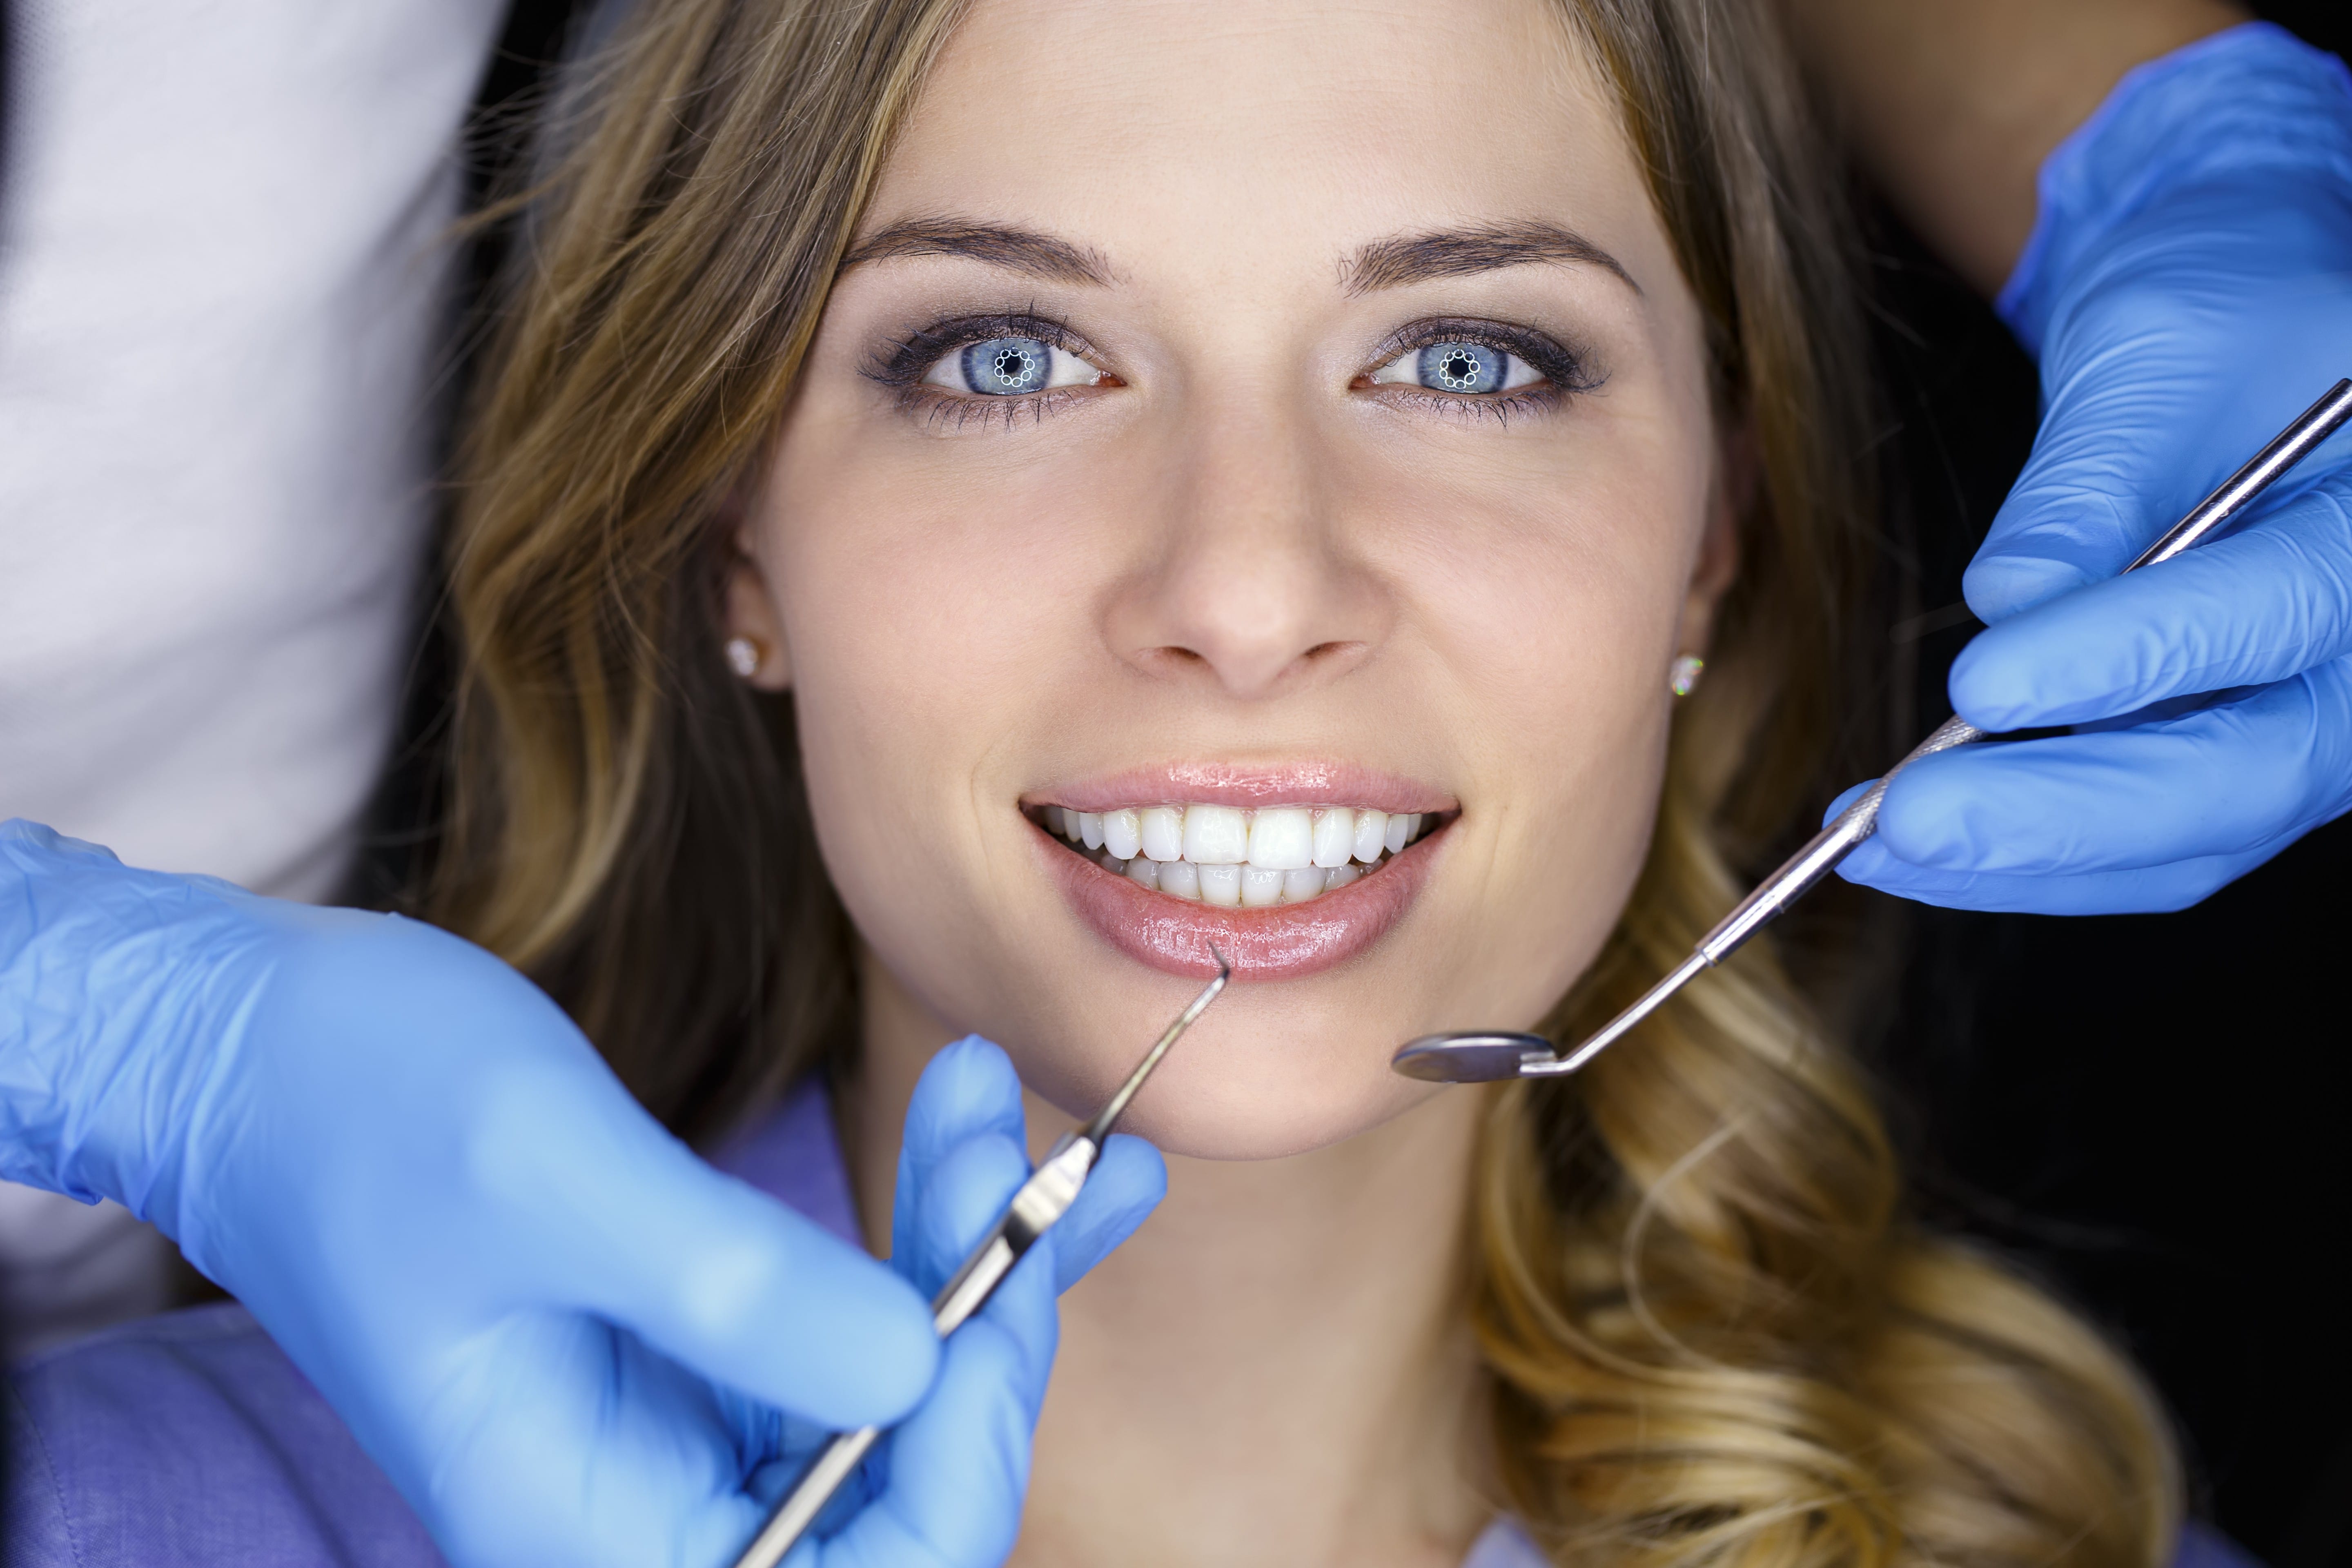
{"x":1235,"y":887}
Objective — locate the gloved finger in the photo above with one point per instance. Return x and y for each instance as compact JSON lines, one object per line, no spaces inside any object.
{"x":957,"y":1470}
{"x":1128,"y":1182}
{"x":582,"y":1445}
{"x":2171,"y":369}
{"x":2211,"y":782}
{"x":622,"y":1220}
{"x":2082,"y":507}
{"x":2267,"y":603}
{"x":958,"y":1467}
{"x":967,"y":1191}
{"x":968,"y":1090}
{"x":630,"y":1225}
{"x":2151,"y":889}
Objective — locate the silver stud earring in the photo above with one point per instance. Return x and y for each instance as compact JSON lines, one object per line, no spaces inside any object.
{"x":1684,"y":678}
{"x":743,"y":655}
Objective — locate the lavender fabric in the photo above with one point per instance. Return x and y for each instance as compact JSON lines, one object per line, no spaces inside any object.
{"x":191,"y":1440}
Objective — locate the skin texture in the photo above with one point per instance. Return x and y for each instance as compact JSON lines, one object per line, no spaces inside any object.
{"x":1240,"y":552}
{"x":1953,"y":104}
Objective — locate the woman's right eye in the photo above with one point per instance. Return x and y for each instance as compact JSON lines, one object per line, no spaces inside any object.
{"x":1009,"y":367}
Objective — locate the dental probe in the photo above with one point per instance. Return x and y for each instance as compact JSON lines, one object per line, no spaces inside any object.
{"x":1483,"y":1058}
{"x":1042,"y":1199}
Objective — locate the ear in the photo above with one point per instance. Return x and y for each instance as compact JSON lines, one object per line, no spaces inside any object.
{"x":749,"y":611}
{"x":1737,"y":475}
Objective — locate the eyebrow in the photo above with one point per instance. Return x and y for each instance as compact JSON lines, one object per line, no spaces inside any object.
{"x":1458,"y":252}
{"x":999,"y":245}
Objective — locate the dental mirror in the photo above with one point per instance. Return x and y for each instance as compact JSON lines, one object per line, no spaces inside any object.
{"x":1470,"y":1059}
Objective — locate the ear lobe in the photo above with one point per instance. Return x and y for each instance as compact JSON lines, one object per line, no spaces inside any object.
{"x":749,"y":611}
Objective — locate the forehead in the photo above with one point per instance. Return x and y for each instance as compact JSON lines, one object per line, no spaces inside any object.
{"x":1243,"y":137}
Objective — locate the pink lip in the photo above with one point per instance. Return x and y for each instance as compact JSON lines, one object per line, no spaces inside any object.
{"x":1280,"y":943}
{"x":1233,"y":783}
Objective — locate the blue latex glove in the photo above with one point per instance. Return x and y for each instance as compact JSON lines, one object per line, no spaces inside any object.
{"x":2188,"y":290}
{"x":561,"y":1335}
{"x":947,"y":1487}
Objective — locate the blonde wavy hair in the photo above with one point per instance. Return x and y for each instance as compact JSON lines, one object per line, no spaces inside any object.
{"x":1713,"y":1333}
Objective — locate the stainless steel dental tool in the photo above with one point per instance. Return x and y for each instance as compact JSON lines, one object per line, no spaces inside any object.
{"x":1042,"y":1199}
{"x":1481,"y":1057}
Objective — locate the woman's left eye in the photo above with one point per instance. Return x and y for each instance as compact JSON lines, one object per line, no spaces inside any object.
{"x":1473,"y":369}
{"x":1010,"y":366}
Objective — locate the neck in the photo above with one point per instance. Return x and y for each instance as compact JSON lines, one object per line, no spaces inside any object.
{"x":1275,"y":1369}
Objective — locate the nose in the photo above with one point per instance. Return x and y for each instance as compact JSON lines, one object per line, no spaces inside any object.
{"x":1251,"y":585}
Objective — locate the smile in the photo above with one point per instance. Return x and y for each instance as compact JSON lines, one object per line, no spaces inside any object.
{"x":1286,"y":871}
{"x":1236,"y":858}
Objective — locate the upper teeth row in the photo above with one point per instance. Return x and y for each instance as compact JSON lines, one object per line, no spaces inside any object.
{"x":1273,"y":838}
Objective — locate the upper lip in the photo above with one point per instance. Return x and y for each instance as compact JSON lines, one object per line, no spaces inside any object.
{"x":1312,"y":783}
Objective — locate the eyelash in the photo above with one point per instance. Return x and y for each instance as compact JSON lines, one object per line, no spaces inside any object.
{"x":1564,"y":371}
{"x":901,"y":365}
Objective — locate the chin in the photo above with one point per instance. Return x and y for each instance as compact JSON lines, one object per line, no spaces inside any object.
{"x":1258,"y":1097}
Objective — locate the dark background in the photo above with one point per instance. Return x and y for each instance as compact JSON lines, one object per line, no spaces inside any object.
{"x":2142,"y":1108}
{"x":2146,"y":1108}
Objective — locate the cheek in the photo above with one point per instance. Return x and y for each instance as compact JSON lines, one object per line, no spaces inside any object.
{"x":1552,"y":621}
{"x":928,"y":608}
{"x":896,"y":664}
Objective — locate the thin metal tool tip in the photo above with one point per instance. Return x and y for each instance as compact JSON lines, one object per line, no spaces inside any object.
{"x":1099,"y":1128}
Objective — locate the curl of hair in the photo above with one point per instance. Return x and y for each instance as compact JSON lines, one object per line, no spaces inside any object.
{"x":1714,"y":1335}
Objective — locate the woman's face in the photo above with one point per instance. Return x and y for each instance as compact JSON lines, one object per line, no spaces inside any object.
{"x":1236,"y":422}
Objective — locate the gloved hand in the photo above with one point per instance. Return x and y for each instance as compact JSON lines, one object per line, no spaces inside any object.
{"x":563,"y":1336}
{"x":947,"y":1487}
{"x":2188,"y":291}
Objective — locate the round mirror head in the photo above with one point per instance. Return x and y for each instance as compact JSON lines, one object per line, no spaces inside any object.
{"x":1470,"y":1059}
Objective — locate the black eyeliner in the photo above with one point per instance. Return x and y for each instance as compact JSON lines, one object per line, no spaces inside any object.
{"x":904,"y":362}
{"x":1563,"y":367}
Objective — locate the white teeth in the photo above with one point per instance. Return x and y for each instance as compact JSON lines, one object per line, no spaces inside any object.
{"x":1238,"y":859}
{"x":1215,"y":835}
{"x":1162,"y":831}
{"x":1282,"y":839}
{"x":1121,"y":836}
{"x":1400,"y":831}
{"x":1335,"y":836}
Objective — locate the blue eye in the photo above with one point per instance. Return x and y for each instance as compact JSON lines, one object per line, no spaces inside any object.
{"x":1462,"y":367}
{"x":1010,"y":366}
{"x":1002,"y":366}
{"x":1468,"y":369}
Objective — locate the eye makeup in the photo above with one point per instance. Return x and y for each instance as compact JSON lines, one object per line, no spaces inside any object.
{"x":1474,"y":364}
{"x":909,"y":367}
{"x":1031,"y":365}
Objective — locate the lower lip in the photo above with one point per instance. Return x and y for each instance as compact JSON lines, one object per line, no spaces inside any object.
{"x":1284,"y":943}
